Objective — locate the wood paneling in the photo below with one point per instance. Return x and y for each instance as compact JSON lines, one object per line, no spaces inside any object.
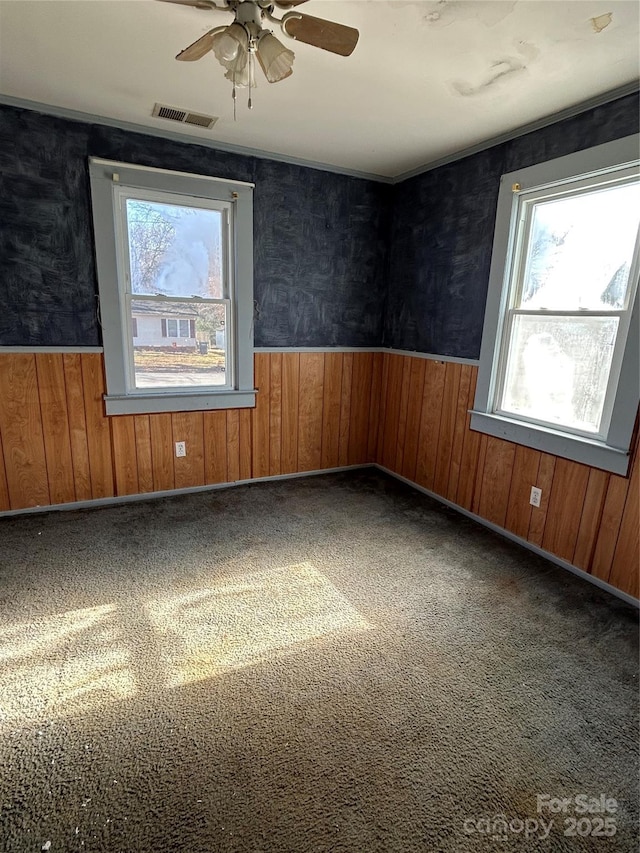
{"x":525,"y":474}
{"x":609,"y":528}
{"x":22,"y":432}
{"x":290,"y":400}
{"x":332,"y":390}
{"x":74,"y":391}
{"x":360,"y":406}
{"x":448,"y":414}
{"x":162,"y":452}
{"x":625,"y":569}
{"x":374,"y":407}
{"x":458,"y":431}
{"x":414,"y":411}
{"x":98,"y":427}
{"x":313,"y":411}
{"x":430,"y":417}
{"x":215,"y":447}
{"x":590,"y":520}
{"x":125,"y":462}
{"x":4,"y":489}
{"x":189,"y":469}
{"x":539,"y":514}
{"x":55,"y":427}
{"x":392,"y":393}
{"x":496,"y":480}
{"x":345,"y":408}
{"x":275,"y":414}
{"x":586,"y":516}
{"x":564,"y":516}
{"x":310,"y":398}
{"x":403,"y":413}
{"x":244,"y":450}
{"x":233,"y":445}
{"x":470,"y":453}
{"x":260,"y":417}
{"x":144,"y":458}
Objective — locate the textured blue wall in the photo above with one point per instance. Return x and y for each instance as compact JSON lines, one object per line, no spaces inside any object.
{"x":339,"y":261}
{"x":442,"y":232}
{"x":320,"y":238}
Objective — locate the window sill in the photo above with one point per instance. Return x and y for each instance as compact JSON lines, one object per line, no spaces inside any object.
{"x":587,"y":451}
{"x":142,"y":404}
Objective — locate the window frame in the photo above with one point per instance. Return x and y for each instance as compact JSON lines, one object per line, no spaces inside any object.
{"x":610,"y":449}
{"x":113,"y":181}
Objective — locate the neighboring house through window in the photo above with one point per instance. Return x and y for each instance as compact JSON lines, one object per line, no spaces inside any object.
{"x":559,"y":360}
{"x":174,"y":255}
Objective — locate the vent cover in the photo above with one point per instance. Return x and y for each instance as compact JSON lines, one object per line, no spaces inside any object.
{"x":183,"y":116}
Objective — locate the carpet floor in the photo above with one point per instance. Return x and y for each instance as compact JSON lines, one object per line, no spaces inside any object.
{"x":335,"y":663}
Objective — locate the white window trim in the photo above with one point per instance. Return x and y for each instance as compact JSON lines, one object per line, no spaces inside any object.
{"x":119,"y":399}
{"x":612,"y":452}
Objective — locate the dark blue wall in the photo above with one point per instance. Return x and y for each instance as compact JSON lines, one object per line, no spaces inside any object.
{"x":320,"y":238}
{"x":323,"y":274}
{"x":442,"y":232}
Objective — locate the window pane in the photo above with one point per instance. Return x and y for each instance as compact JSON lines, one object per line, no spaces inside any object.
{"x":558,"y":369}
{"x":174,"y":250}
{"x":580,"y":250}
{"x":165,"y":359}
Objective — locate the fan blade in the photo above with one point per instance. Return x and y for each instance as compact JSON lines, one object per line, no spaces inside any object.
{"x":336,"y":38}
{"x":200,"y":47}
{"x":196,"y":4}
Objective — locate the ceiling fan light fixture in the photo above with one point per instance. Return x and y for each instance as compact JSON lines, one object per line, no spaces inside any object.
{"x":275,"y":59}
{"x":242,"y":73}
{"x":229,"y":43}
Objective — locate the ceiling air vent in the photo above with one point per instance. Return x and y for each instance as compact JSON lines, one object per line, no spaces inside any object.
{"x":183,"y":116}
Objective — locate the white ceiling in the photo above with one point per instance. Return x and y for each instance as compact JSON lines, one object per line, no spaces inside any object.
{"x":426,"y":80}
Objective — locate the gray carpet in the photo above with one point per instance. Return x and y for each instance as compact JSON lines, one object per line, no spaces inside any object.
{"x":328,"y":664}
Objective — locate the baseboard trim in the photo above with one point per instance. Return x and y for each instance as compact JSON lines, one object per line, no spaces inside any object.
{"x":564,"y":564}
{"x":95,"y":503}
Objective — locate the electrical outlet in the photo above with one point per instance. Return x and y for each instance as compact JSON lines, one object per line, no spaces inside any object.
{"x":536,"y":496}
{"x":181,"y":448}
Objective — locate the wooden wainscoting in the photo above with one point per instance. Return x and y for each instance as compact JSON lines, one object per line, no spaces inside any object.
{"x":587,"y":517}
{"x":57,"y":446}
{"x":313,"y":411}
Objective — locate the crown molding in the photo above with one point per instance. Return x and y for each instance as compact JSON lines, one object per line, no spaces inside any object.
{"x":185,"y":138}
{"x":188,"y":139}
{"x":524,"y":129}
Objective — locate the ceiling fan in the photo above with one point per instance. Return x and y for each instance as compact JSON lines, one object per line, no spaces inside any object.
{"x":235,"y":46}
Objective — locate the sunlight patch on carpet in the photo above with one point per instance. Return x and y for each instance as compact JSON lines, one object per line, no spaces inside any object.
{"x":63,"y":663}
{"x":246,"y":619}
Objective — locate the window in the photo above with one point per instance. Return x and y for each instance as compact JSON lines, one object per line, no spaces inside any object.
{"x":174,"y":256}
{"x":559,"y":359}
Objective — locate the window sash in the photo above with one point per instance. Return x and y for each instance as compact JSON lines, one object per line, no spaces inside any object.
{"x":123,"y":256}
{"x":178,"y":389}
{"x":612,"y":382}
{"x":515,"y":277}
{"x":124,"y":194}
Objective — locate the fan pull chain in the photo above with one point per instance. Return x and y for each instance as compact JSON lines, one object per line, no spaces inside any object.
{"x":234,"y":91}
